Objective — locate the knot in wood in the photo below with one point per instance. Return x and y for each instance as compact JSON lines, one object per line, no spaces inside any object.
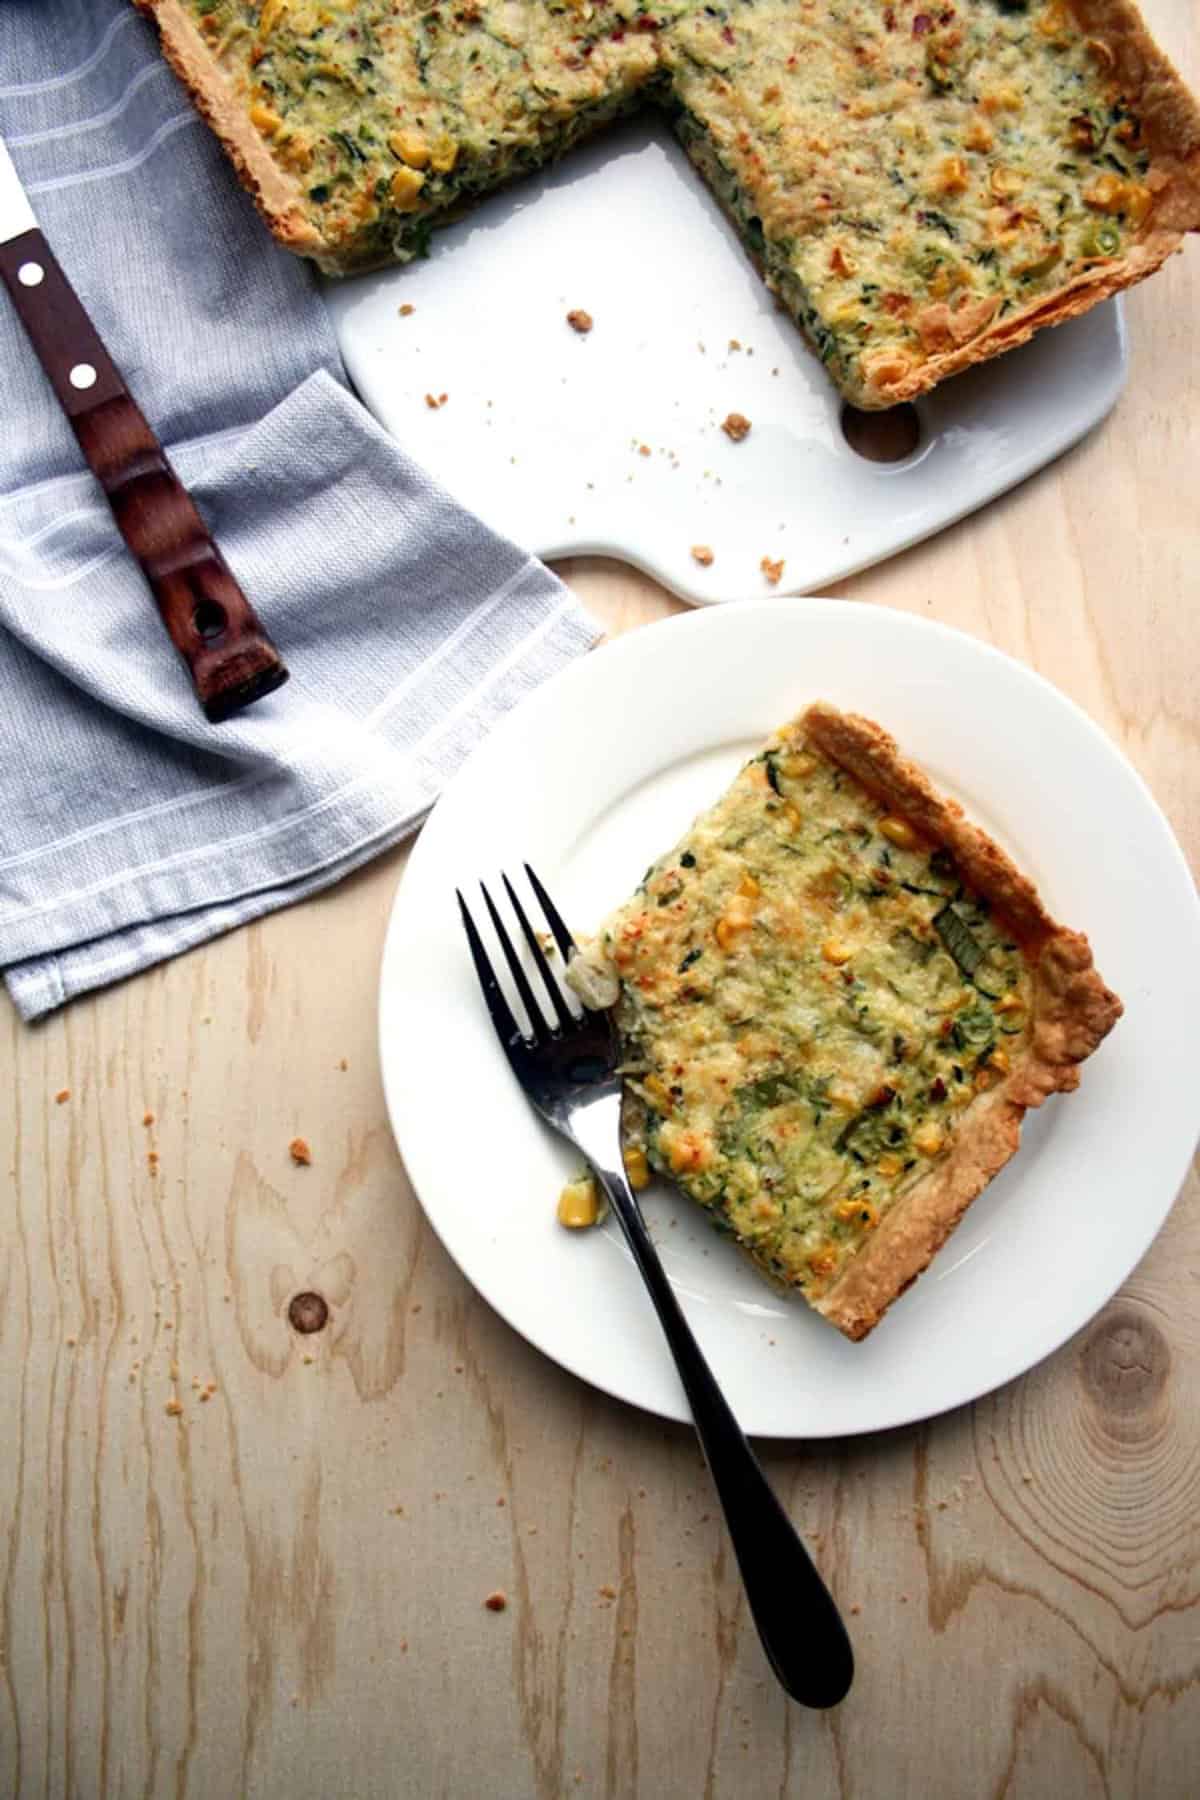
{"x":1126,"y":1361}
{"x":308,"y":1312}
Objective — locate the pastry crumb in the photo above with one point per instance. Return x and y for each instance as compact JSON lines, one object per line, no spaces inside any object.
{"x":772,"y":569}
{"x":173,"y":1408}
{"x":580,"y":321}
{"x":300,"y":1152}
{"x":62,"y":1096}
{"x":607,"y":1592}
{"x":736,"y":426}
{"x":343,"y":1065}
{"x":703,"y":555}
{"x":434,"y":401}
{"x":496,"y":1601}
{"x":643,"y":449}
{"x":735,"y":343}
{"x":407,"y":310}
{"x":147,"y":1118}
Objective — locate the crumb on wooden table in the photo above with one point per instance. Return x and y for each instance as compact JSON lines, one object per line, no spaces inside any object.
{"x":736,"y":426}
{"x":497,"y":1600}
{"x":147,"y":1118}
{"x":580,"y":321}
{"x":772,"y":569}
{"x":62,"y":1096}
{"x":343,"y":1065}
{"x":703,"y":555}
{"x":300,"y":1152}
{"x":173,"y":1407}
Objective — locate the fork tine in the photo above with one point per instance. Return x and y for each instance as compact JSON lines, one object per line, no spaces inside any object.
{"x":534,"y":1013}
{"x":562,"y":936}
{"x":566,"y":1017}
{"x":506,"y":1026}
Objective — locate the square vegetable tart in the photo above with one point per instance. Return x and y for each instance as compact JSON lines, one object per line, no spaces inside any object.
{"x":921,"y":184}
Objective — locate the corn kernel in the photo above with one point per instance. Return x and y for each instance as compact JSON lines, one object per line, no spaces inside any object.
{"x":1010,"y":1003}
{"x":637,"y":1169}
{"x":798,"y":765}
{"x":928,"y":1139}
{"x":406,"y":186}
{"x":999,"y":1060}
{"x":1003,"y":99}
{"x":265,"y":119}
{"x":656,"y":1088}
{"x":889,"y":1165}
{"x":1054,"y":23}
{"x":823,"y":1262}
{"x":978,"y":136}
{"x":898,"y":832}
{"x":834,"y":951}
{"x":272,"y":12}
{"x":443,"y":154}
{"x":749,"y":888}
{"x":1004,"y":183}
{"x":686,"y":1150}
{"x":952,"y":176}
{"x":856,"y":1210}
{"x":727,"y":932}
{"x":1138,"y":201}
{"x":411,"y":148}
{"x":791,"y":818}
{"x":579,"y":1204}
{"x":961,"y":1094}
{"x":1106,"y":194}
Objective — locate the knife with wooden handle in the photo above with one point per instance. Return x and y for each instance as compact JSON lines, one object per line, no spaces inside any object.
{"x":210,"y":621}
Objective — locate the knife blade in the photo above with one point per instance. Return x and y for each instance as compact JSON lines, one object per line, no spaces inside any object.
{"x":213,"y":626}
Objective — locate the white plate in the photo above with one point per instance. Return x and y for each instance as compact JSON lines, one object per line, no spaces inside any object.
{"x":597,"y":773}
{"x":541,"y":430}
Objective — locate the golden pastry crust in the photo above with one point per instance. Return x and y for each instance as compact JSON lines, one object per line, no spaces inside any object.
{"x":276,"y":194}
{"x":1073,"y":1011}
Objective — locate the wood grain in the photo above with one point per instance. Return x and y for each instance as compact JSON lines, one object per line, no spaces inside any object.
{"x":278,"y":1589}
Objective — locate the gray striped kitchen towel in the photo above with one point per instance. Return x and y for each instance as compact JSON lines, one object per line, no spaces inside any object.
{"x":131,"y":830}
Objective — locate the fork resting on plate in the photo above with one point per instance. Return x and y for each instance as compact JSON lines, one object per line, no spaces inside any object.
{"x":570,"y":1071}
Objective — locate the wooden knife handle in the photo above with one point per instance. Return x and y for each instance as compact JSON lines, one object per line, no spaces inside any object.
{"x":210,"y":621}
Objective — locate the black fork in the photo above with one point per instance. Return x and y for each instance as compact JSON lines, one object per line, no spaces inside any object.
{"x":569,"y":1071}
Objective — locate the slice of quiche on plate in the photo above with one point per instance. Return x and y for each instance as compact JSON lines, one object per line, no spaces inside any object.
{"x":838,"y":999}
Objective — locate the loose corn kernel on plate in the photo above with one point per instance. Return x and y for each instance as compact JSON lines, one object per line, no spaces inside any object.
{"x":589,"y":779}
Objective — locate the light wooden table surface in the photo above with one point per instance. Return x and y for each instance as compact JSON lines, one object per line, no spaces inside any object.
{"x":277,"y":1590}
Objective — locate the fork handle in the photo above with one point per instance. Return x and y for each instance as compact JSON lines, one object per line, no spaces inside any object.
{"x":799,"y":1624}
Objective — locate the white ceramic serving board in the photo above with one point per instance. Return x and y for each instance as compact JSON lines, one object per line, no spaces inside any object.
{"x":542,"y":429}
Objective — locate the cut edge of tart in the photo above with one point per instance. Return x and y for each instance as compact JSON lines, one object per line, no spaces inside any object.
{"x":885,"y":1205}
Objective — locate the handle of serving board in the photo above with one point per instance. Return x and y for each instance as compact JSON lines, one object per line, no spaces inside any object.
{"x":213,"y":626}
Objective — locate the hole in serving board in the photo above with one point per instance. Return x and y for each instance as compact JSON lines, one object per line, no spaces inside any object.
{"x":882,"y":437}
